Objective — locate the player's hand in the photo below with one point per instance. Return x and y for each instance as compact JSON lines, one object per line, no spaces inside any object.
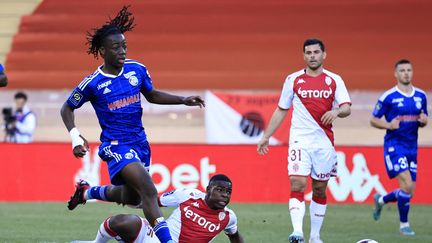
{"x":422,"y":119}
{"x":80,"y":150}
{"x":194,"y":101}
{"x":329,"y":117}
{"x":394,"y":124}
{"x":262,"y":147}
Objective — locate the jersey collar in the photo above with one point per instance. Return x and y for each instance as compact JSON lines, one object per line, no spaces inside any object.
{"x":110,"y":75}
{"x":404,"y":94}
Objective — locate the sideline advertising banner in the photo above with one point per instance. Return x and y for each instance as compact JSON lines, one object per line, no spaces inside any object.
{"x":47,"y":172}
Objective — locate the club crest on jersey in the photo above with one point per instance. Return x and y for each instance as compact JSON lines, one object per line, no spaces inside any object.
{"x":328,"y":80}
{"x":221,"y":216}
{"x":418,"y":105}
{"x":133,"y":81}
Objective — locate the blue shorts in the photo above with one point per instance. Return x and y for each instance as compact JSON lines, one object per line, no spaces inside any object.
{"x":399,"y":159}
{"x":118,"y":156}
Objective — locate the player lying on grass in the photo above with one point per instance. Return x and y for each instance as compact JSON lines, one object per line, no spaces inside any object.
{"x":198,"y":218}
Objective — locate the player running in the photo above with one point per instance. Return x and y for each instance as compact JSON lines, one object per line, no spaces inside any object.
{"x":114,"y":91}
{"x":198,"y":218}
{"x":318,"y":97}
{"x":404,"y":108}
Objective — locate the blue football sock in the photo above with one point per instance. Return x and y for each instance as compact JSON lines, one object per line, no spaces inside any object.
{"x":162,"y":232}
{"x":391,"y":197}
{"x":403,"y":205}
{"x":97,"y":192}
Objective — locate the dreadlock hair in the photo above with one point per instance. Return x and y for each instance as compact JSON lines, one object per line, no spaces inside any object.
{"x":123,"y":22}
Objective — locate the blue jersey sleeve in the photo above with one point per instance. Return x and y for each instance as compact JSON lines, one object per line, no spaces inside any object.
{"x":424,"y":106}
{"x":381,"y":108}
{"x":80,"y":95}
{"x":1,"y":68}
{"x":146,"y":84}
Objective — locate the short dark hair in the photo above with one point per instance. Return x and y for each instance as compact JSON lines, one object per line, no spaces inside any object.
{"x":402,"y":61}
{"x":313,"y":41}
{"x":21,"y":95}
{"x":219,"y":177}
{"x":123,"y":22}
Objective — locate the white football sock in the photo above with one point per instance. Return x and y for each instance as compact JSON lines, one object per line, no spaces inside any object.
{"x":104,"y":233}
{"x":297,"y":212}
{"x":317,"y":213}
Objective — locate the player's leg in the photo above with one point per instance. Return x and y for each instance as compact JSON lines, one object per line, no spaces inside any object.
{"x":299,"y":168}
{"x":324,"y":166}
{"x":137,"y":177}
{"x":124,"y":227}
{"x":395,"y":163}
{"x":404,"y":196}
{"x":317,"y":208}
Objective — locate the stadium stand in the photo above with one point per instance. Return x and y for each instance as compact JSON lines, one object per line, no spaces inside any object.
{"x":199,"y":45}
{"x":243,"y":44}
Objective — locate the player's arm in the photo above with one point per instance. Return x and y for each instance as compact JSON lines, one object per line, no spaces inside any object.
{"x":79,"y":143}
{"x":343,"y":111}
{"x":236,"y":238}
{"x":3,"y":77}
{"x":158,"y":97}
{"x":275,"y":121}
{"x":381,"y":123}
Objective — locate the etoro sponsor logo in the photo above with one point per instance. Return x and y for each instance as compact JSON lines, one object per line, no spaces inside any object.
{"x":313,"y":93}
{"x":201,"y":221}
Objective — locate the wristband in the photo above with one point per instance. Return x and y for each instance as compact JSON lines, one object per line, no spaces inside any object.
{"x":76,"y":138}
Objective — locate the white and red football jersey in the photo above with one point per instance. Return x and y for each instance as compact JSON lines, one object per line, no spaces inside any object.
{"x":193,"y":220}
{"x":311,"y":97}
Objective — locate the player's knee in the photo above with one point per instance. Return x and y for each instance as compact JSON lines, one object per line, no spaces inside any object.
{"x":122,"y":222}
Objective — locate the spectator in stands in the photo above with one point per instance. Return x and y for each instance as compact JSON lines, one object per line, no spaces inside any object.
{"x":3,"y":77}
{"x":19,"y":123}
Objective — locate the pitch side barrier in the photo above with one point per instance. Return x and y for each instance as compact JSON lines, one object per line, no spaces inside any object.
{"x":47,"y":171}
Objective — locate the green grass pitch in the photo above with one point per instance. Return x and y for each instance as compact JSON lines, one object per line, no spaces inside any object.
{"x":52,"y":222}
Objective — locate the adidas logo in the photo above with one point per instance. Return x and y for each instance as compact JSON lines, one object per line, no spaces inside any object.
{"x":196,"y":204}
{"x":106,"y":90}
{"x":301,"y":81}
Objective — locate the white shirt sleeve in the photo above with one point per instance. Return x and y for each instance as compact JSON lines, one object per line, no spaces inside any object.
{"x":287,"y":94}
{"x":341,"y":94}
{"x":231,"y":227}
{"x":175,"y":197}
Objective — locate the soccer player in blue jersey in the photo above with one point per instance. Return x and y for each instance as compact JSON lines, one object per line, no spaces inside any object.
{"x":114,"y":91}
{"x":404,"y":108}
{"x":3,"y":77}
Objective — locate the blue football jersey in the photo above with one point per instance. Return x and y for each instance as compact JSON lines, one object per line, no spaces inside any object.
{"x":1,"y":68}
{"x":116,"y":100}
{"x":394,"y":103}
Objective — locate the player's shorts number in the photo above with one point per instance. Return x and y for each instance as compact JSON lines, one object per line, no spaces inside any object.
{"x":295,"y":154}
{"x":403,"y":162}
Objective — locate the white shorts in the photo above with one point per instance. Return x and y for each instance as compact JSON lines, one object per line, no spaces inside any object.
{"x":146,"y":234}
{"x":319,"y":163}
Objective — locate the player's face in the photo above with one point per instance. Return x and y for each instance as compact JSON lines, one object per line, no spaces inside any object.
{"x":114,"y":50}
{"x":218,"y":194}
{"x":314,"y":56}
{"x":404,"y":73}
{"x":19,"y":103}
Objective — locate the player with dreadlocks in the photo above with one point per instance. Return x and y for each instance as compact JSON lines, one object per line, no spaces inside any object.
{"x":114,"y":91}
